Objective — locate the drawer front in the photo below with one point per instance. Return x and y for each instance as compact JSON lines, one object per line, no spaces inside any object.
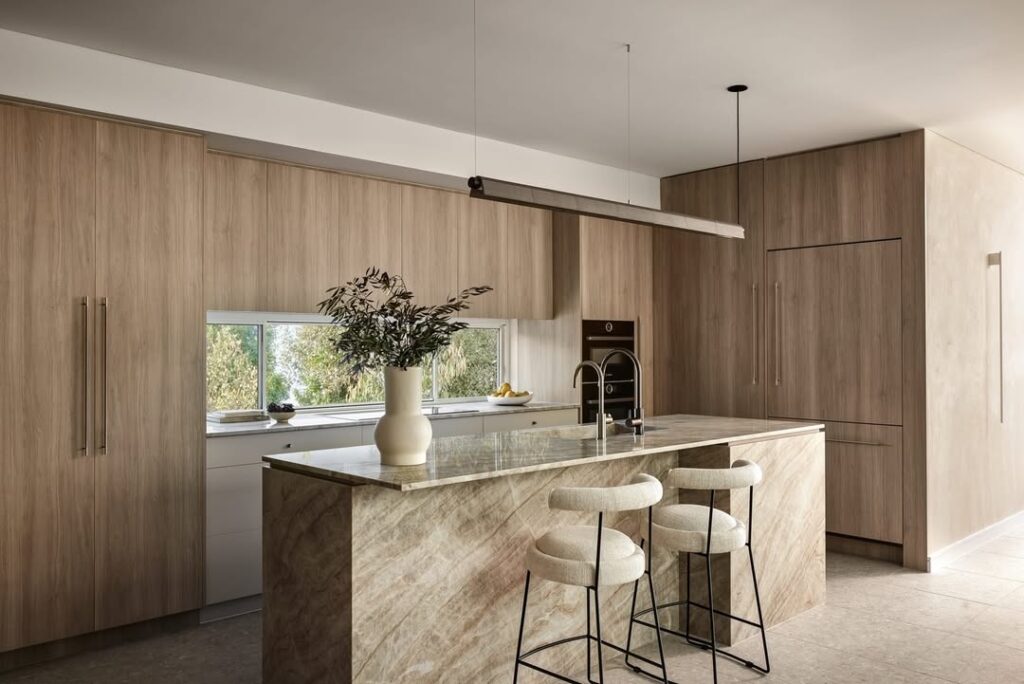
{"x":529,"y":419}
{"x":233,"y":499}
{"x":234,"y":566}
{"x":249,"y":449}
{"x":864,"y":481}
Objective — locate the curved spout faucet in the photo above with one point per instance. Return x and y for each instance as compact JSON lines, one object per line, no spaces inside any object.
{"x":636,"y":418}
{"x":601,"y":425}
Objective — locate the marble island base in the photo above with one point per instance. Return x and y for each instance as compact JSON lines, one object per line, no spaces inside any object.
{"x":368,"y":584}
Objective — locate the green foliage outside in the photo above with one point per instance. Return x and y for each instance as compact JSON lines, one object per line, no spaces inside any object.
{"x":232,"y":367}
{"x":302,"y":366}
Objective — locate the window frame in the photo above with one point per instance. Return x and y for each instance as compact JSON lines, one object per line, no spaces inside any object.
{"x":261,"y":320}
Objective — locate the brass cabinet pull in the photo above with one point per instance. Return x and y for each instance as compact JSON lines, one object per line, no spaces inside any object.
{"x":102,"y":447}
{"x":753,"y":331}
{"x":778,"y":338}
{"x":85,"y":377}
{"x":996,"y":259}
{"x":856,"y":442}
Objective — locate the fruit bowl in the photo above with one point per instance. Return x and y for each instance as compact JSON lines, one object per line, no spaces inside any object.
{"x":510,"y":401}
{"x":281,"y":416}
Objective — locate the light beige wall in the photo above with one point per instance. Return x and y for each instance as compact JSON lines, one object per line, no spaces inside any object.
{"x":973,"y":207}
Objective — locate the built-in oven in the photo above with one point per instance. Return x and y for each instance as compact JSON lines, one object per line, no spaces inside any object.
{"x":619,"y":388}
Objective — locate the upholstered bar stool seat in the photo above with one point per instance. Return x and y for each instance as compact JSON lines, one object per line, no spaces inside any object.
{"x":591,"y":556}
{"x":684,"y":527}
{"x":566,"y":555}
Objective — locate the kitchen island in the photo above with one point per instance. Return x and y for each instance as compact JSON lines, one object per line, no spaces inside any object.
{"x":415,"y":574}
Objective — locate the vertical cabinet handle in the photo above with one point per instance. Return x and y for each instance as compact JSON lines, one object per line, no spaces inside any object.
{"x":996,"y":259}
{"x":86,"y":414}
{"x":778,"y":337}
{"x":102,"y":447}
{"x":753,"y":332}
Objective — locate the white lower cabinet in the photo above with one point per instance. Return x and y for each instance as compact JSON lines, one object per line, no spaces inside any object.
{"x":503,"y":422}
{"x":234,"y":497}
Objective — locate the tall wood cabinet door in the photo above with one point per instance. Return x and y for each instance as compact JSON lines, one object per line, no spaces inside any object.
{"x":843,"y":194}
{"x":302,"y":237}
{"x":530,"y":273}
{"x":709,"y":294}
{"x":47,"y":222}
{"x":430,"y":243}
{"x":834,"y":333}
{"x":235,"y":233}
{"x":149,"y":476}
{"x":370,"y":226}
{"x":483,"y":255}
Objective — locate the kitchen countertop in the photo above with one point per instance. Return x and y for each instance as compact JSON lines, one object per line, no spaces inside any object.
{"x":342,"y":418}
{"x":451,"y":460}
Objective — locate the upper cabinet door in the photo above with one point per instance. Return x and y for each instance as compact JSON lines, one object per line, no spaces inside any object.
{"x":47,"y":224}
{"x":430,"y":243}
{"x":529,"y":263}
{"x":235,"y":219}
{"x":615,"y":272}
{"x":709,"y":295}
{"x":371,"y":226}
{"x":834,"y":333}
{"x":842,"y":194}
{"x":150,"y":353}
{"x":483,"y":255}
{"x":302,"y":237}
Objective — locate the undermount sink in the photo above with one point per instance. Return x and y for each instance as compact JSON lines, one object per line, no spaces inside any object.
{"x":588,"y":431}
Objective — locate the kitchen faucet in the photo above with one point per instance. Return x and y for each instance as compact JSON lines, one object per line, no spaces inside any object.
{"x":636,"y":417}
{"x":601,"y":424}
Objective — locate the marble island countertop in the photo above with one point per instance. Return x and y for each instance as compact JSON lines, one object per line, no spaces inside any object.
{"x":451,"y":460}
{"x":350,"y":418}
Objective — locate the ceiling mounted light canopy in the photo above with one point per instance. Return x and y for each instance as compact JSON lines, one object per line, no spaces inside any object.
{"x":497,"y":190}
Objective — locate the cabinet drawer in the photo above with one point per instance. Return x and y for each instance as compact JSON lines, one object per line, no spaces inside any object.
{"x":249,"y":449}
{"x":864,"y":481}
{"x":529,"y":419}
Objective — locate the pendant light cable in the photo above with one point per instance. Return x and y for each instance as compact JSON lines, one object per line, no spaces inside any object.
{"x":476,"y":131}
{"x":737,"y":89}
{"x":629,"y":128}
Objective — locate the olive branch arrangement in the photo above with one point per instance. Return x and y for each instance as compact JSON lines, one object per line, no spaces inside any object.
{"x":379,"y":324}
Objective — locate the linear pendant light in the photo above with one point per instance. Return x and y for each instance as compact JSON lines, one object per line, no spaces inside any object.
{"x":497,"y":190}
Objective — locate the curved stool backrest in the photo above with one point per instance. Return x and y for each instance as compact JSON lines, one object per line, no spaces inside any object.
{"x":643,"y":491}
{"x":741,"y":475}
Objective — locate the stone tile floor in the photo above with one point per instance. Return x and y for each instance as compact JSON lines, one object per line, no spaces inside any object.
{"x":881,"y":624}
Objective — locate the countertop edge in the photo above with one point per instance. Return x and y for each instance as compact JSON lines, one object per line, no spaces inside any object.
{"x":357,"y":480}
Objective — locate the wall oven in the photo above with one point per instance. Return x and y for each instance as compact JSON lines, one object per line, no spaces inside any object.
{"x":599,"y":338}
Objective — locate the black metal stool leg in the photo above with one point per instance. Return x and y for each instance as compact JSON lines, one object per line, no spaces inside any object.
{"x":522,"y":624}
{"x":657,"y":629}
{"x":600,"y":640}
{"x":711,"y":617}
{"x":760,"y":615}
{"x":587,"y":591}
{"x":687,"y":627}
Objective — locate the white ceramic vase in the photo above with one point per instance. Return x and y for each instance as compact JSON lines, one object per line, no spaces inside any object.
{"x":403,"y":433}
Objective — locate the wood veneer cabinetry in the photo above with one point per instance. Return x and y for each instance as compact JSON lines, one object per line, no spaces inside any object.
{"x":834,"y":333}
{"x":47,"y":231}
{"x":864,"y":483}
{"x":235,"y":237}
{"x":529,"y":263}
{"x":841,"y":194}
{"x":483,"y":254}
{"x":370,"y":226}
{"x":430,"y":241}
{"x":302,"y":237}
{"x":709,"y":296}
{"x":150,"y":421}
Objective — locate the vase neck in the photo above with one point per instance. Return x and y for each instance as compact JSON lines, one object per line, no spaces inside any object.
{"x":403,"y":390}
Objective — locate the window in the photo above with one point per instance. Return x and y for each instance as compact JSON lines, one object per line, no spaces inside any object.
{"x":255,"y":359}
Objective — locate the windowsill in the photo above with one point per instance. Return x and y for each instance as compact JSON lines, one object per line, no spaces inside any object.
{"x":311,"y":419}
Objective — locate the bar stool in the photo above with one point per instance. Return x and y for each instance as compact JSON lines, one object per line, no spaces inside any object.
{"x":591,"y":557}
{"x":703,"y":530}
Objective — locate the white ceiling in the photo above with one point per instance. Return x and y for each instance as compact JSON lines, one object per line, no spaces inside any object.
{"x":552,"y":75}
